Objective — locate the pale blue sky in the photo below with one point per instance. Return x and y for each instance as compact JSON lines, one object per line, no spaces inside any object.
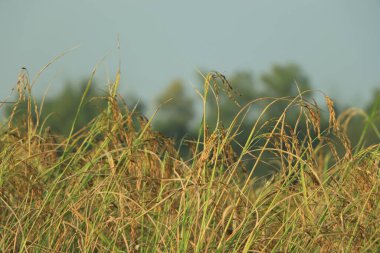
{"x":337,"y":42}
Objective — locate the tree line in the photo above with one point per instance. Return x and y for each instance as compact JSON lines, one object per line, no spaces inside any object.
{"x":177,"y":116}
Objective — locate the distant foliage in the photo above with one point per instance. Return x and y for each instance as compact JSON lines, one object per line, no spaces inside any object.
{"x":60,"y":111}
{"x":176,"y":111}
{"x":226,"y":98}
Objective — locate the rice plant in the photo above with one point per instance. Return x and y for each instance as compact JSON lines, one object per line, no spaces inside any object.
{"x":117,"y":185}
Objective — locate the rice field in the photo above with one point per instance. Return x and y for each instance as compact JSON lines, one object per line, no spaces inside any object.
{"x":118,"y":185}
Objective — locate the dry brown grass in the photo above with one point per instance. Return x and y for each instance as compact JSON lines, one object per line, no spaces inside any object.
{"x":119,"y":186}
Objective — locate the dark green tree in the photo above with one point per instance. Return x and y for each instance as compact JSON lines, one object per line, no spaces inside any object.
{"x":63,"y":108}
{"x":176,"y":111}
{"x":283,"y":80}
{"x":366,"y":130}
{"x":241,"y":91}
{"x":59,"y":112}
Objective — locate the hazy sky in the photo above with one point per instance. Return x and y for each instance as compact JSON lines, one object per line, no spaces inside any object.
{"x":337,"y":43}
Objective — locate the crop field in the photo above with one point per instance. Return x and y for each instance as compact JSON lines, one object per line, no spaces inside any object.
{"x":118,"y":185}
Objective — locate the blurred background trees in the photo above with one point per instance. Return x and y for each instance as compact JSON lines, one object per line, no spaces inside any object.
{"x":61,"y":110}
{"x":58,"y":112}
{"x":285,"y":80}
{"x":177,"y":111}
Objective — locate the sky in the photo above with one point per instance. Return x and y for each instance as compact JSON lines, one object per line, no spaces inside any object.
{"x":336,"y":43}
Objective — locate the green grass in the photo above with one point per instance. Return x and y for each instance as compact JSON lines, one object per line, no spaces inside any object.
{"x":119,"y":186}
